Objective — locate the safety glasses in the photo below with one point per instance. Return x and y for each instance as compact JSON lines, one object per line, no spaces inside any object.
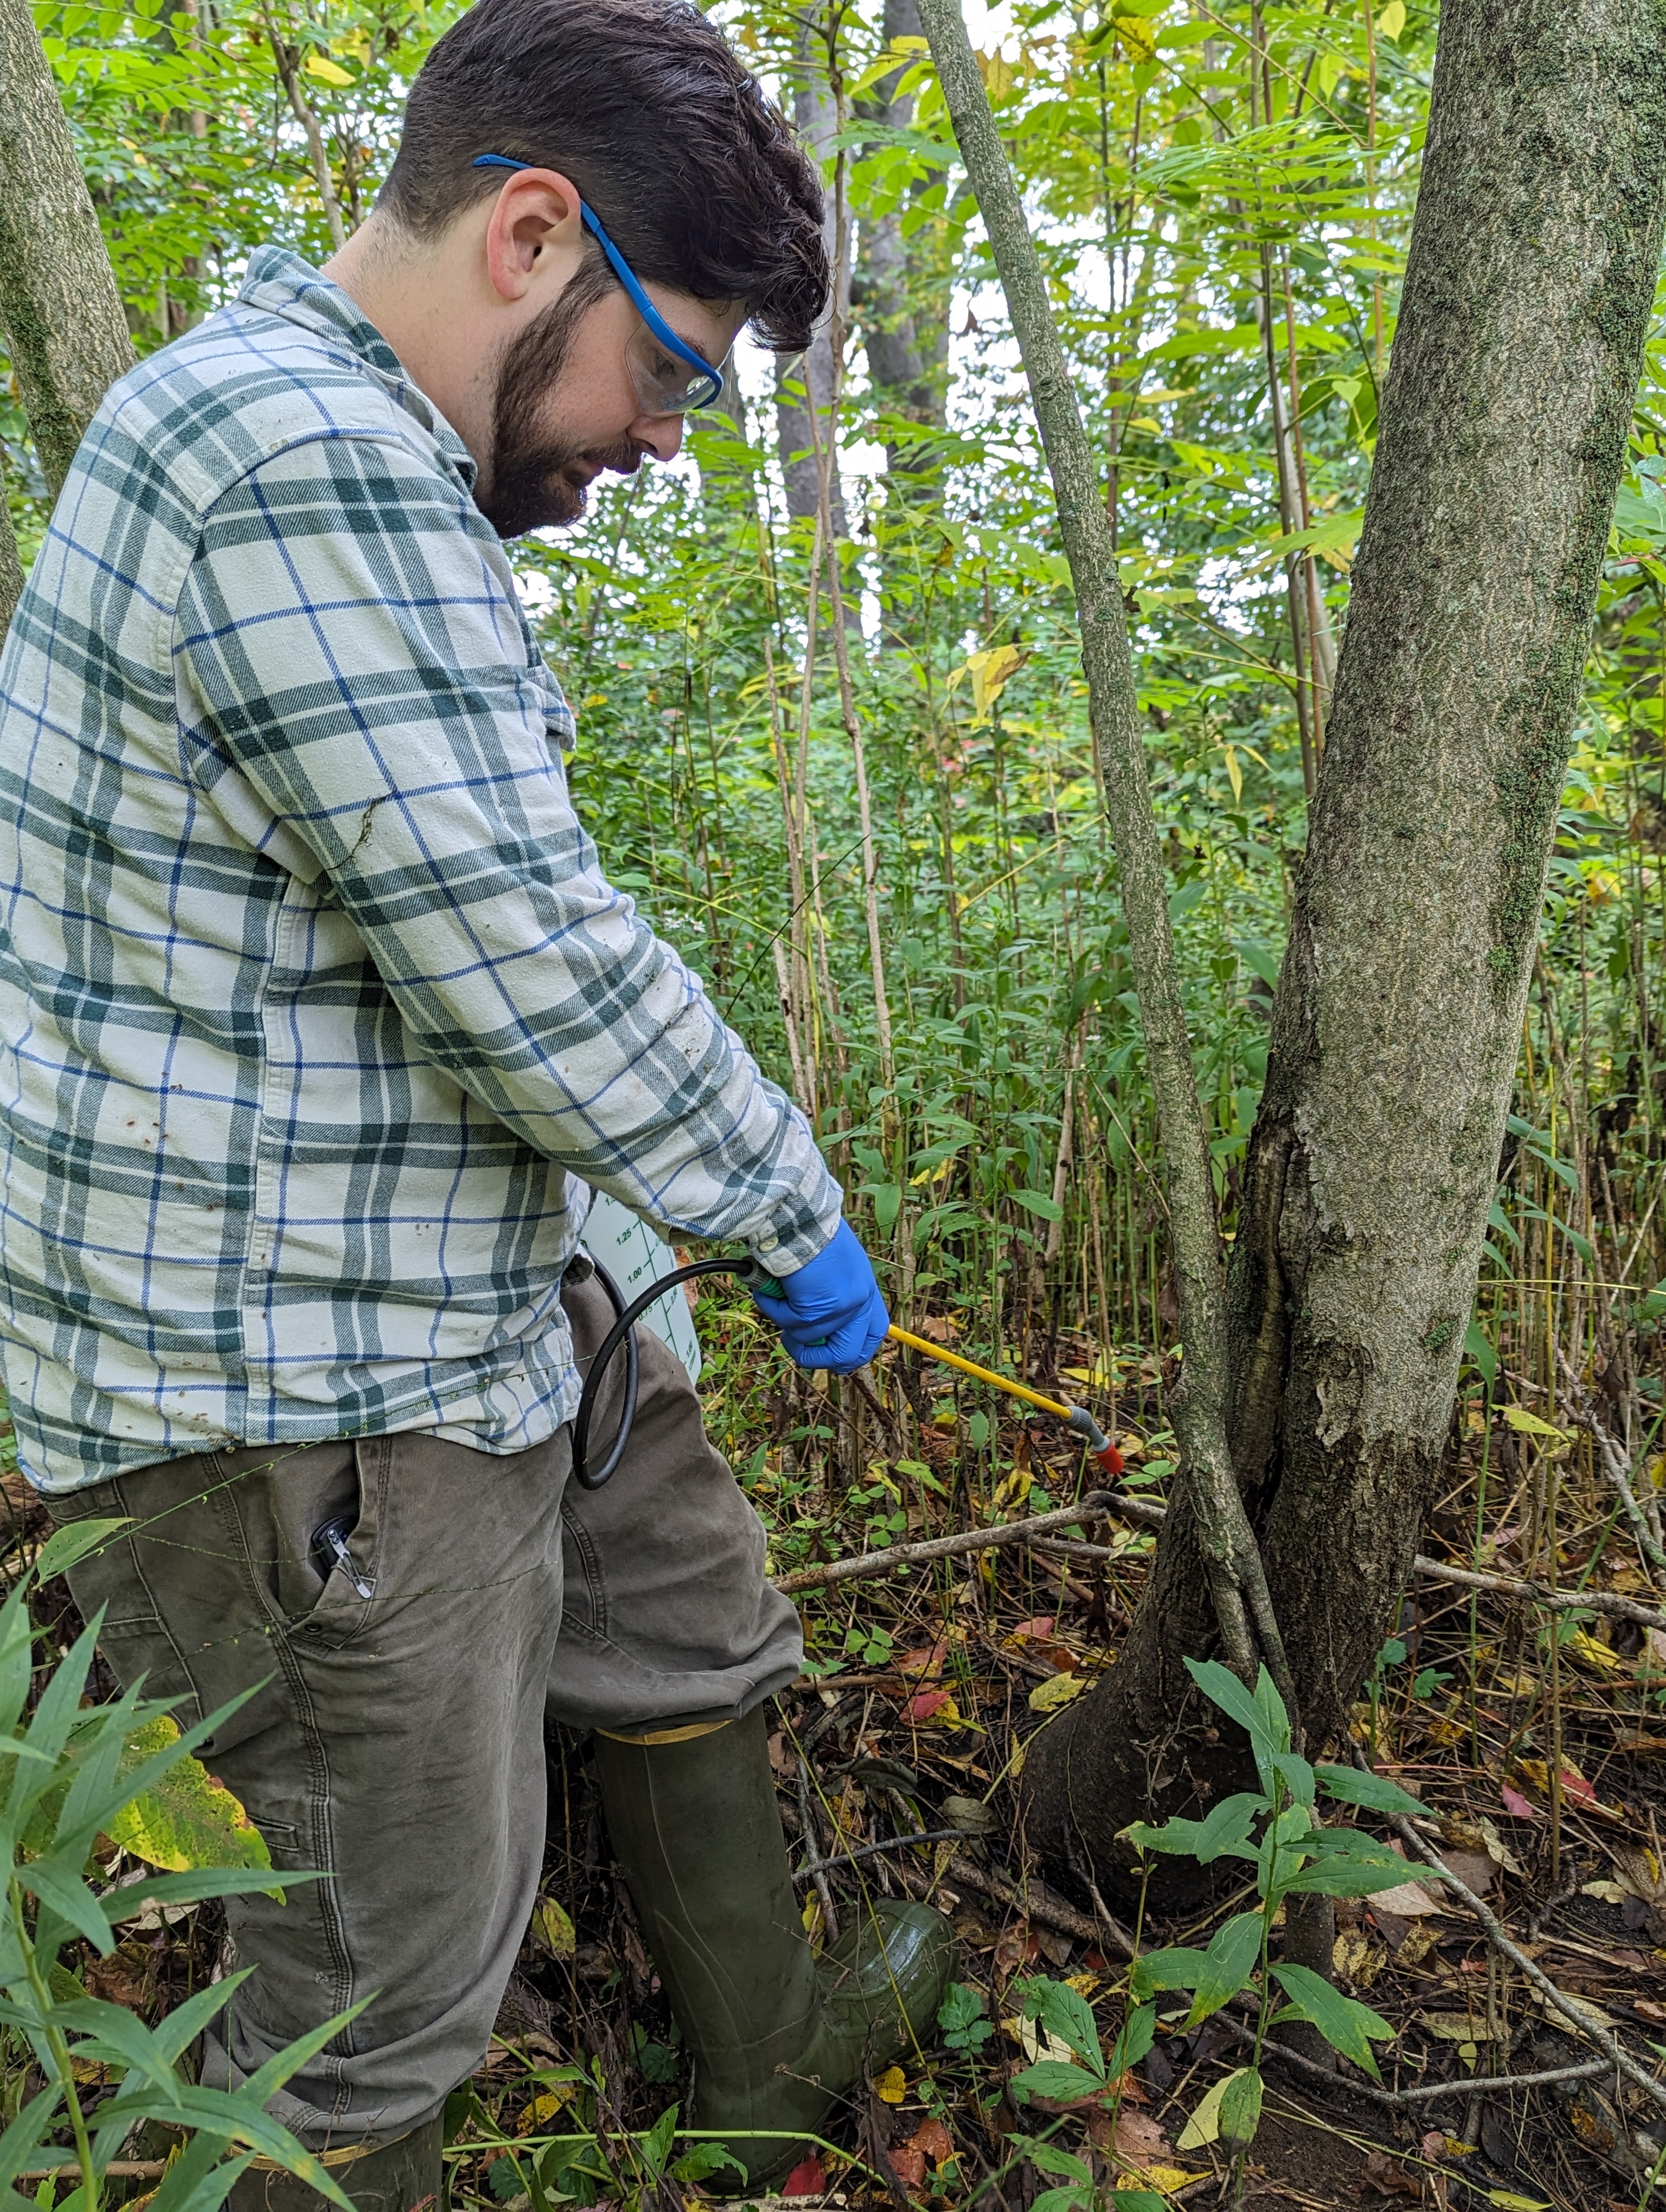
{"x":670,"y":377}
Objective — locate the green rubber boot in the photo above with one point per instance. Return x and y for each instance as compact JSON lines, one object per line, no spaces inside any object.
{"x":775,"y":2037}
{"x":403,"y":2176}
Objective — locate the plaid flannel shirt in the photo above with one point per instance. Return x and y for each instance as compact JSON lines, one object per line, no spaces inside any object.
{"x":314,"y":1002}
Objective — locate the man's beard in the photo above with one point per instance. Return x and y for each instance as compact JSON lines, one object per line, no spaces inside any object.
{"x":537,"y":482}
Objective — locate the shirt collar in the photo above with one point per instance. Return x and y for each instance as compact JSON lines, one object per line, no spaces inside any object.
{"x":281,"y":284}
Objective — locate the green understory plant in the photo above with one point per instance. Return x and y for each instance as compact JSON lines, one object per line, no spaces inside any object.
{"x":1277,"y":1830}
{"x":66,"y":1776}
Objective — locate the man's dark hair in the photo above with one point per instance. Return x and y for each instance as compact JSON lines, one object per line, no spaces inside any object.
{"x":695,"y":175}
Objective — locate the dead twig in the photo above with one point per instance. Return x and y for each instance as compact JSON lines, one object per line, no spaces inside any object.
{"x":1091,"y":1508}
{"x":1614,"y":2052}
{"x":1587,"y":2069}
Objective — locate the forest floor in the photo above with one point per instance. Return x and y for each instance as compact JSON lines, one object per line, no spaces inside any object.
{"x":921,"y":1690}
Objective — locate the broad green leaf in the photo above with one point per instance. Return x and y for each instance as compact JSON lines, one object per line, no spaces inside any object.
{"x":1228,"y":1964}
{"x":1051,"y":2158}
{"x":187,"y":1819}
{"x":1239,"y":2109}
{"x":1346,"y":2025}
{"x":1177,"y":1969}
{"x":1065,"y":2012}
{"x":1297,"y":1776}
{"x":1373,"y":1791}
{"x":1065,"y":2084}
{"x":1226,"y":1828}
{"x":1138,"y":2032}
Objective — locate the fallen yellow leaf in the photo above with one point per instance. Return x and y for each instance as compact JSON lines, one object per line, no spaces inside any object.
{"x":892,"y":2085}
{"x":1047,"y":1697}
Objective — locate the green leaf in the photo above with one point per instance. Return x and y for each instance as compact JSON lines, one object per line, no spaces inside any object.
{"x":656,"y":2143}
{"x":1262,"y":1716}
{"x":1229,"y":1963}
{"x":1176,"y":1969}
{"x":1038,"y":1202}
{"x":1225,"y":1828}
{"x":1051,"y":2158}
{"x":1240,"y":2108}
{"x":1055,"y":2078}
{"x":1373,"y":1791}
{"x":1346,"y":2025}
{"x":702,"y":2159}
{"x":187,"y":1818}
{"x":1066,"y":2014}
{"x":71,"y":1542}
{"x":1139,"y":2032}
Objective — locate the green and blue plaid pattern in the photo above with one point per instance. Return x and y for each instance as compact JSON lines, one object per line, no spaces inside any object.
{"x":316,"y":1010}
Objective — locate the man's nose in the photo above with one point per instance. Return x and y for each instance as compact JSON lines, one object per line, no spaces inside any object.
{"x":662,"y":434}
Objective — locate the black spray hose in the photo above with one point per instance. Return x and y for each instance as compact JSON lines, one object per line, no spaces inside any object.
{"x":747,"y":1270}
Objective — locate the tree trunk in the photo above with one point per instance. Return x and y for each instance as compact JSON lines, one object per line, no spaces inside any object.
{"x":1534,"y":249}
{"x":812,"y":382}
{"x":903,"y":298}
{"x":65,"y":325}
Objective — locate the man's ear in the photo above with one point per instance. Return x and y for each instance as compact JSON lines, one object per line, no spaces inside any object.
{"x":534,"y":231}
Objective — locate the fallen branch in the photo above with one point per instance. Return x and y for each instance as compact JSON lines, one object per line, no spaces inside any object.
{"x":1614,"y":2052}
{"x":1091,"y":1508}
{"x":1604,"y":1602}
{"x":1100,"y":1504}
{"x":1403,"y":2100}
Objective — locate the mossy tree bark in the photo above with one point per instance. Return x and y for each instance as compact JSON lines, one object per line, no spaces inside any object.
{"x":65,"y":326}
{"x":1534,"y":252}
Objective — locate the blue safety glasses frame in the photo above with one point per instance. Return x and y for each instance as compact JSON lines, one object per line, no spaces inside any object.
{"x":674,"y":387}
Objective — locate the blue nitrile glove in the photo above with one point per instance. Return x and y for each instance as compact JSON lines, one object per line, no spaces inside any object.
{"x":830,"y":1313}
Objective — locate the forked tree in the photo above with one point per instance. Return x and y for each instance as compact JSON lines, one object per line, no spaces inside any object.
{"x":1321,"y":1369}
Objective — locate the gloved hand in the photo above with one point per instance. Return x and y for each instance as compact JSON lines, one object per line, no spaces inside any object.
{"x":830,"y":1312}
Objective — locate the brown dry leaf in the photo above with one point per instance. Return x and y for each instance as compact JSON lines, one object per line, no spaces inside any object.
{"x":1642,"y":1746}
{"x":932,"y":2140}
{"x":1393,"y":2179}
{"x":1356,"y":1959}
{"x":1407,"y":1900}
{"x":1472,"y":1869}
{"x":1139,"y":2141}
{"x":1454,"y":2027}
{"x":1013,"y":1947}
{"x":908,"y":2165}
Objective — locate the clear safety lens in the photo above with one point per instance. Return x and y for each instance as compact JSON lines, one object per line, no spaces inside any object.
{"x":665,"y":384}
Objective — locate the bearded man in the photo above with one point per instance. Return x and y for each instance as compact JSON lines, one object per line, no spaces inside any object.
{"x":317,"y":1015}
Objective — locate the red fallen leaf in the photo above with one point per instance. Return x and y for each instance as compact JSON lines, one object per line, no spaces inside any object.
{"x":1434,"y":2145}
{"x":1515,"y":1804}
{"x":924,"y":1703}
{"x":908,"y":2165}
{"x":1059,"y":1656}
{"x":1043,"y":1625}
{"x":927,"y":1660}
{"x":933,"y":2141}
{"x":805,"y":2180}
{"x":1577,"y":1787}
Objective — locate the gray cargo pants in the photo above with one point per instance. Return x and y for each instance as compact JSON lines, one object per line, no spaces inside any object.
{"x":397,"y":1741}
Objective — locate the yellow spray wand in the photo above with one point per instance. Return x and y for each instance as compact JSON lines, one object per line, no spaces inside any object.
{"x":1074,"y":1417}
